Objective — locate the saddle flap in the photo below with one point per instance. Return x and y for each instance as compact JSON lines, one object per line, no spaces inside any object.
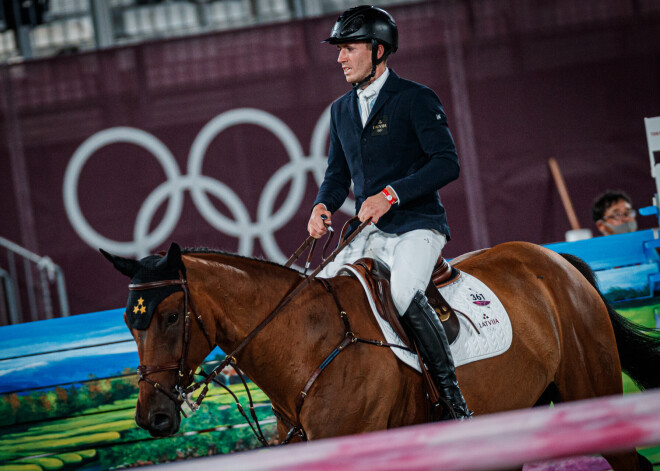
{"x":377,"y":277}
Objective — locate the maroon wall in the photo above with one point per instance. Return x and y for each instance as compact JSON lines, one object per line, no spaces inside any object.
{"x":541,"y":79}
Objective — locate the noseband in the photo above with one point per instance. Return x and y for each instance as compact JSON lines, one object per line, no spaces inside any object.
{"x":179,"y":394}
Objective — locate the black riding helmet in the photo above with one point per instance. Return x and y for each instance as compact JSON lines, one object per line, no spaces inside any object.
{"x":366,"y":24}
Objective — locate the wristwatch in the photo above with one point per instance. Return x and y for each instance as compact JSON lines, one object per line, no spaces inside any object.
{"x":390,"y":198}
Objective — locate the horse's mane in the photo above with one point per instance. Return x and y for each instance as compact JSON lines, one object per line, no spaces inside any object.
{"x":208,"y":251}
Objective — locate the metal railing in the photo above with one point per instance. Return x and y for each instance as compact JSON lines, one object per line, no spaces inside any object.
{"x":69,"y":26}
{"x":37,"y":291}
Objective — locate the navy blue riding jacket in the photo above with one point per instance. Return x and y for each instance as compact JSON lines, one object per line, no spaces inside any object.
{"x":405,"y":143}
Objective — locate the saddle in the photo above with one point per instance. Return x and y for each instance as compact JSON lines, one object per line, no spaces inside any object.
{"x":377,"y":277}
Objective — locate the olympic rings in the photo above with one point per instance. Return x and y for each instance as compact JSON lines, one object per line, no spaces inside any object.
{"x":269,"y":220}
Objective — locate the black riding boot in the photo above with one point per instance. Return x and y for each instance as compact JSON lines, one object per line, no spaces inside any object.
{"x":423,"y":324}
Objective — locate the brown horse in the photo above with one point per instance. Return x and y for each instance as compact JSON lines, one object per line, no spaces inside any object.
{"x":564,"y":346}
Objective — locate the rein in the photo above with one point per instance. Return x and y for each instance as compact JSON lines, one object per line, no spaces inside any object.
{"x":179,"y":394}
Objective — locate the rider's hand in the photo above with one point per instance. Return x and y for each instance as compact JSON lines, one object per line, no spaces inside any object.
{"x":374,"y":207}
{"x":316,"y":226}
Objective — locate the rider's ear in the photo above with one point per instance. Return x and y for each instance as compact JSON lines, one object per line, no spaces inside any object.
{"x":126,"y":266}
{"x":173,"y":257}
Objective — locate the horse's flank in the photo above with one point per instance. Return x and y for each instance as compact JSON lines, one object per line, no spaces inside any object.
{"x":562,"y":335}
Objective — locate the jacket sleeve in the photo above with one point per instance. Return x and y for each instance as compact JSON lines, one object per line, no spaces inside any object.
{"x":440,"y":165}
{"x":337,"y":181}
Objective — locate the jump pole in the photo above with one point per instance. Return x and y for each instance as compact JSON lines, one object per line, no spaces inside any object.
{"x":490,"y":442}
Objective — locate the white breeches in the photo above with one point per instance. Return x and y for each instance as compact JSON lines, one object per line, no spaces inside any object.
{"x":410,"y":258}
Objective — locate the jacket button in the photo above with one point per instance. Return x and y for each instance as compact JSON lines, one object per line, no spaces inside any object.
{"x":364,"y":140}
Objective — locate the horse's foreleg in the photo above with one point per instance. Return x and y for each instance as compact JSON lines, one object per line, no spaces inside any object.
{"x":283,"y":431}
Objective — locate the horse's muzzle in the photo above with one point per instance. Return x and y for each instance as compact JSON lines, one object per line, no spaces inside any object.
{"x":162,"y":423}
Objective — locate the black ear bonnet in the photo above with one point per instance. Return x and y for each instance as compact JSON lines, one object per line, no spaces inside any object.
{"x":142,"y":303}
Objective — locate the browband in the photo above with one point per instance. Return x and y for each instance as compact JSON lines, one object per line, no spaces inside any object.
{"x":155,"y":284}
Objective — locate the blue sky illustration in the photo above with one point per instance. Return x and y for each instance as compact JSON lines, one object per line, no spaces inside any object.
{"x":47,"y":353}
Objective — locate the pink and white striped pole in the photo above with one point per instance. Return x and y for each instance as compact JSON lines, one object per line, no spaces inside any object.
{"x":489,"y":442}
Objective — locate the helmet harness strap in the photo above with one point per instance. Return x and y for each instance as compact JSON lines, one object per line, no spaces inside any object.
{"x":374,"y":62}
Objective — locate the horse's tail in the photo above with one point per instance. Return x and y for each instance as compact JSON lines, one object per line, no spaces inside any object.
{"x":639,"y":346}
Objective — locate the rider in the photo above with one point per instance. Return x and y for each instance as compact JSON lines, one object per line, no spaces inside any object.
{"x":389,"y":136}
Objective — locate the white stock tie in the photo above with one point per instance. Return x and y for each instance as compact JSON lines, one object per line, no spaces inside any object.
{"x":365,"y":97}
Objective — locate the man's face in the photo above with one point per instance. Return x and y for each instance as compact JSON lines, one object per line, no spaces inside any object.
{"x":355,"y":61}
{"x":618,"y":218}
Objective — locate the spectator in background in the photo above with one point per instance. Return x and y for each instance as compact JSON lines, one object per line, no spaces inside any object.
{"x":613,"y":213}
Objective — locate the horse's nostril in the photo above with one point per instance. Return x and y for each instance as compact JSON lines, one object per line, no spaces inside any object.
{"x":161,"y":421}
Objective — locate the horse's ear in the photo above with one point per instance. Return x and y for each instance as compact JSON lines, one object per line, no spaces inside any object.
{"x":173,"y":257}
{"x":126,"y":266}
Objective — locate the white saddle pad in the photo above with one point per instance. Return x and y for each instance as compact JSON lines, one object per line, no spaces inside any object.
{"x":488,"y":334}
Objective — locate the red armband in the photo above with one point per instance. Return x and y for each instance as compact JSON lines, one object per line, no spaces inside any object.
{"x":390,"y":198}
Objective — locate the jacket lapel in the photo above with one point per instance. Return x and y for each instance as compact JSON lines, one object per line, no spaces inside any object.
{"x":354,"y":109}
{"x":390,"y":87}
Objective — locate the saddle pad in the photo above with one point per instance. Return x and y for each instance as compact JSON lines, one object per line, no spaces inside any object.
{"x":469,"y":297}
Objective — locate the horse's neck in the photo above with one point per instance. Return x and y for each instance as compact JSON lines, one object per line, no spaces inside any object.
{"x":238,"y":291}
{"x":243,"y":292}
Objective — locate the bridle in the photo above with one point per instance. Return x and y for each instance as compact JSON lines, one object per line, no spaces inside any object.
{"x":181,"y":394}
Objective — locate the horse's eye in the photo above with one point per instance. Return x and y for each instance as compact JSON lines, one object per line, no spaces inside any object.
{"x":172,"y":318}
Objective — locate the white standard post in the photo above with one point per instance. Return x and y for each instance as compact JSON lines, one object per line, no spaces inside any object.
{"x":653,"y":138}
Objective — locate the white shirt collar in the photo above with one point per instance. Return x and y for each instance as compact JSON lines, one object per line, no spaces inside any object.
{"x":377,"y":84}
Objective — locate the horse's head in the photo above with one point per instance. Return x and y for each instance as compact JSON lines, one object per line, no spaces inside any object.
{"x":159,"y":316}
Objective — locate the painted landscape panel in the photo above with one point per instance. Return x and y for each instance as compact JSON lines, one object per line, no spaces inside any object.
{"x":68,"y":398}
